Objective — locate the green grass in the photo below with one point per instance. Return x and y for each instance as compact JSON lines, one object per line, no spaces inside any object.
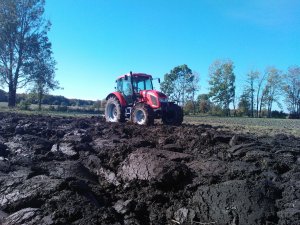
{"x":3,"y":105}
{"x":262,"y":126}
{"x":34,"y":111}
{"x":50,"y":113}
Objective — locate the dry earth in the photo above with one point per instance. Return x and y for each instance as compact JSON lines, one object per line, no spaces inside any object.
{"x":56,"y":170}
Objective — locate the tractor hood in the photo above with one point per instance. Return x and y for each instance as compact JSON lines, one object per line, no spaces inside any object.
{"x":153,"y":98}
{"x":153,"y":92}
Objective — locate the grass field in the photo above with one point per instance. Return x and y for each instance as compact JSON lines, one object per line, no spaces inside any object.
{"x":3,"y":105}
{"x":264,"y":126}
{"x":33,"y":111}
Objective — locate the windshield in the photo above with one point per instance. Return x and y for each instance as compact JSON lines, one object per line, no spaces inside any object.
{"x":142,"y":83}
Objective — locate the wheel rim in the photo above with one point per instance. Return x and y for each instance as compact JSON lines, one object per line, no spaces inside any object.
{"x":112,"y":113}
{"x":140,"y":117}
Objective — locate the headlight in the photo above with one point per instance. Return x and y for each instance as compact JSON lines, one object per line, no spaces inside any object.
{"x":163,"y":99}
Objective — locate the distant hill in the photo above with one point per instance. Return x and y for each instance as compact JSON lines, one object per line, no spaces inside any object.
{"x":48,"y":100}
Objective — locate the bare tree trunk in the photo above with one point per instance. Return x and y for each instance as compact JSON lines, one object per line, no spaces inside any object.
{"x":194,"y":102}
{"x":194,"y":107}
{"x":252,"y":100}
{"x":260,"y":107}
{"x":298,"y":104}
{"x":234,"y":109}
{"x":40,"y":96}
{"x":271,"y":105}
{"x":11,"y":95}
{"x":270,"y":109}
{"x":227,"y":110}
{"x":257,"y":104}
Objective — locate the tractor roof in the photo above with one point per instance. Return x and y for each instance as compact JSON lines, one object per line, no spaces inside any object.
{"x":135,"y":75}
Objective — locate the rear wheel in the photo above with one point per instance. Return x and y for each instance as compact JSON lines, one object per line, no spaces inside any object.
{"x":173,"y":115}
{"x":114,"y":111}
{"x":142,"y":114}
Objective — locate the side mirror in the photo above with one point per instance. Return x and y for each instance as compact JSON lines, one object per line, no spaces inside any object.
{"x":126,"y":77}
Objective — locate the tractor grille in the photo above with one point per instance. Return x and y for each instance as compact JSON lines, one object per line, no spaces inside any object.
{"x":154,"y":100}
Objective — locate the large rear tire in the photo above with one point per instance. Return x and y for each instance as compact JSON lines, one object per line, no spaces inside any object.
{"x":142,"y":114}
{"x":114,"y":111}
{"x":173,"y":115}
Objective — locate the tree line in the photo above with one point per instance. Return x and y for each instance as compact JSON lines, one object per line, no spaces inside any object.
{"x":47,"y":99}
{"x":261,"y":91}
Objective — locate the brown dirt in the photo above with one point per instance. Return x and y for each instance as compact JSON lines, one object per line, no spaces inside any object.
{"x":59,"y":170}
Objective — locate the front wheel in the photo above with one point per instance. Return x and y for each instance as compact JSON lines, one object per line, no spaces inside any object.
{"x":142,"y":114}
{"x":114,"y":111}
{"x":172,"y":115}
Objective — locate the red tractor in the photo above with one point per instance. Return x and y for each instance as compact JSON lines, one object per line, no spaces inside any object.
{"x":135,"y":99}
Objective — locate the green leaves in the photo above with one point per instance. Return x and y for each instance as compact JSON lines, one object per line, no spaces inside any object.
{"x":222,"y":83}
{"x":177,"y":84}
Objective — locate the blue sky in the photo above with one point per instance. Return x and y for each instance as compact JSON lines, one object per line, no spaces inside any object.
{"x":94,"y":41}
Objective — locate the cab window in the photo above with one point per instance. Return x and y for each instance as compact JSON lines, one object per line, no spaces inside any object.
{"x":124,"y":86}
{"x":127,"y":90}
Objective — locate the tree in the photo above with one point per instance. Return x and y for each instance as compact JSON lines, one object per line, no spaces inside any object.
{"x":176,"y":83}
{"x":42,"y":73}
{"x":222,"y":83}
{"x":23,"y":30}
{"x":204,"y":103}
{"x":252,"y":76}
{"x":291,"y":90}
{"x":188,"y":107}
{"x":273,"y":88}
{"x":244,"y":105}
{"x":260,"y":94}
{"x":192,"y":88}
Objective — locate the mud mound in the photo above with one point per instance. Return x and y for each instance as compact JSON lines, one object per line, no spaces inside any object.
{"x":157,"y":166}
{"x":56,"y":170}
{"x":236,"y":202}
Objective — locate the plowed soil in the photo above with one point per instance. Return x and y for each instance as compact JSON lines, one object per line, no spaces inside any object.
{"x":56,"y":170}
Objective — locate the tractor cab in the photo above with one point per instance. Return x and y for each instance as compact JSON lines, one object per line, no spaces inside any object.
{"x":131,"y":85}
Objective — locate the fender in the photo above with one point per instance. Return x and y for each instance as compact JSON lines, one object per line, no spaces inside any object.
{"x":119,"y":96}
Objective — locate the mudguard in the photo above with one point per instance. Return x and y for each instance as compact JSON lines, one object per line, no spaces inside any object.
{"x":119,"y":96}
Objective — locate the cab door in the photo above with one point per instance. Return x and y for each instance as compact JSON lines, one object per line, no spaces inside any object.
{"x":124,"y":86}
